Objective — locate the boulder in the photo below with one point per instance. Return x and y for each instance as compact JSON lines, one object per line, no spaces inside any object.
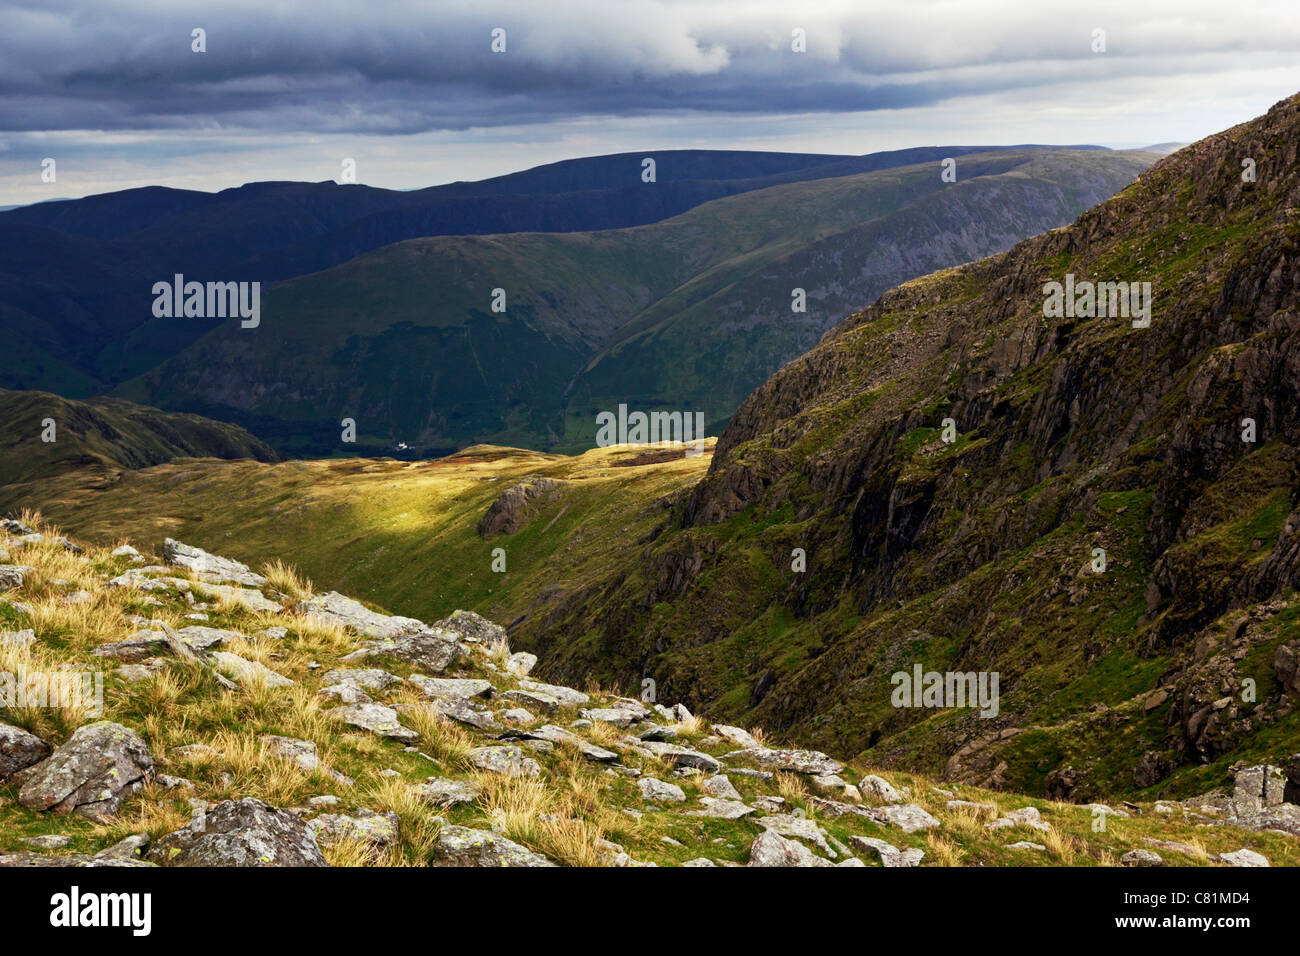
{"x":371,"y":679}
{"x":430,"y":650}
{"x":506,"y":760}
{"x":909,"y":817}
{"x":13,"y":575}
{"x":681,"y":756}
{"x":473,"y":628}
{"x":772,"y":849}
{"x":100,"y":766}
{"x":451,"y":688}
{"x":797,"y":827}
{"x":539,"y":701}
{"x":1141,"y":858}
{"x":378,"y":830}
{"x":795,"y":761}
{"x":741,"y":738}
{"x":722,"y":809}
{"x":566,"y":696}
{"x":375,"y":718}
{"x":446,"y":792}
{"x":209,"y":567}
{"x":660,"y":791}
{"x":335,"y":608}
{"x":558,"y":735}
{"x":244,"y":832}
{"x":300,"y":752}
{"x":719,"y":785}
{"x":461,"y":846}
{"x":206,"y":638}
{"x":1243,"y":858}
{"x":247,"y":673}
{"x":345,"y":693}
{"x":1259,"y":787}
{"x":521,"y":663}
{"x":19,"y":750}
{"x":888,"y":854}
{"x":1024,"y":817}
{"x":880,"y":788}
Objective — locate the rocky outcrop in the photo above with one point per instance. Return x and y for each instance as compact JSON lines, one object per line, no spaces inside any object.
{"x":515,"y":506}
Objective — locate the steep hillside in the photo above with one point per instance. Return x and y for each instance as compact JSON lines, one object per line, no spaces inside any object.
{"x":980,"y":554}
{"x":687,"y":314}
{"x":210,"y":715}
{"x":106,"y":435}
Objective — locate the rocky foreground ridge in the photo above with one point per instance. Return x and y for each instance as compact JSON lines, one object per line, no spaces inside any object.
{"x":248,"y":720}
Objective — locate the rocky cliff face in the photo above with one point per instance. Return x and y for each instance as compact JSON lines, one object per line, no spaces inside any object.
{"x":958,"y":470}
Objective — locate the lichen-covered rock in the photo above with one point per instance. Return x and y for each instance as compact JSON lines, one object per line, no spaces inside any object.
{"x":451,"y":688}
{"x":461,"y":846}
{"x":795,"y":761}
{"x":566,"y":696}
{"x":210,"y":567}
{"x":378,"y":830}
{"x":909,"y":818}
{"x":13,"y":575}
{"x":372,"y":679}
{"x":660,"y":791}
{"x":335,"y":608}
{"x":1244,"y":858}
{"x":473,"y":628}
{"x":19,"y":750}
{"x":244,"y":832}
{"x":772,"y":849}
{"x":375,"y":718}
{"x":521,"y":663}
{"x":445,"y":791}
{"x":888,"y":854}
{"x":100,"y":766}
{"x":680,"y":756}
{"x":247,"y":673}
{"x":505,"y":760}
{"x":1141,"y":858}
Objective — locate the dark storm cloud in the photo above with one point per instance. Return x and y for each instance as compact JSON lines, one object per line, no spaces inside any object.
{"x":406,"y":67}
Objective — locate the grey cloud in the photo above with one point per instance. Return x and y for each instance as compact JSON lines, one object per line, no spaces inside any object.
{"x":407,"y":67}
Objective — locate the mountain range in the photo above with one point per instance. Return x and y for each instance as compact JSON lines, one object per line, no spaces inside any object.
{"x":671,"y":294}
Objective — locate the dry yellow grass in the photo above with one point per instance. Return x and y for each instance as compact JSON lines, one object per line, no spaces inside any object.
{"x":791,"y":788}
{"x":943,"y":851}
{"x":1066,"y":848}
{"x":287,"y":579}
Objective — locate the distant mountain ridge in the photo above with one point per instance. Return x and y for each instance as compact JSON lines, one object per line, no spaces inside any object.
{"x":75,"y":275}
{"x":685,"y":314}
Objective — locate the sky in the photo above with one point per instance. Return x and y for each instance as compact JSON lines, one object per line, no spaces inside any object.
{"x":413,"y":92}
